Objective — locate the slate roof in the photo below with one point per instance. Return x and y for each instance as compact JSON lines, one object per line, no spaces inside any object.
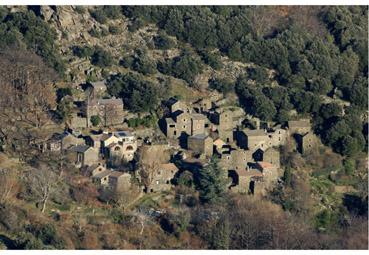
{"x":103,"y":174}
{"x":255,"y":132}
{"x":80,"y":148}
{"x":298,"y":123}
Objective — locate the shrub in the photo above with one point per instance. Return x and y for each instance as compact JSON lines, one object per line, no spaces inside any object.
{"x":82,"y":51}
{"x":101,"y":58}
{"x":95,"y":120}
{"x":114,"y":30}
{"x":163,"y":42}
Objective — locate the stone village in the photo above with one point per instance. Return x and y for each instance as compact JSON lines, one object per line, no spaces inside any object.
{"x":192,"y":133}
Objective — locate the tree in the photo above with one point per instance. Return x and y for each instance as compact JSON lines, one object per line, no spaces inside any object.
{"x":259,"y":74}
{"x":42,"y":183}
{"x":101,"y":58}
{"x":138,"y":94}
{"x":212,"y":182}
{"x":222,"y":85}
{"x":163,"y":41}
{"x":8,"y":184}
{"x":95,"y":120}
{"x":26,"y":100}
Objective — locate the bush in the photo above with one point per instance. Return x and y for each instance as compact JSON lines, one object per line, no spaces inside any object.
{"x":211,"y":59}
{"x":101,"y":58}
{"x":99,"y":15}
{"x":222,"y":85}
{"x":82,"y":51}
{"x":163,"y":42}
{"x":95,"y":120}
{"x":114,"y":30}
{"x":259,"y":74}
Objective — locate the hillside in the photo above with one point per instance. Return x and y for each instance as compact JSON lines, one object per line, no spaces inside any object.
{"x":145,"y":93}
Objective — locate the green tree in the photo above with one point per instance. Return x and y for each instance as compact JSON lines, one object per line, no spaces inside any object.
{"x":212,"y":182}
{"x":138,"y":94}
{"x":101,"y":58}
{"x":95,"y":120}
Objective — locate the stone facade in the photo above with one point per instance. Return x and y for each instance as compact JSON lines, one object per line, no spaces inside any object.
{"x":299,"y":126}
{"x":163,"y":175}
{"x":200,"y":144}
{"x":119,"y":181}
{"x":235,"y":159}
{"x":122,"y":147}
{"x":224,"y":119}
{"x":83,"y":155}
{"x":307,"y":142}
{"x":110,"y":111}
{"x":182,"y":122}
{"x":252,"y":139}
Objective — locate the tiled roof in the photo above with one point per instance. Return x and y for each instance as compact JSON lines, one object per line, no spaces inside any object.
{"x":264,"y":164}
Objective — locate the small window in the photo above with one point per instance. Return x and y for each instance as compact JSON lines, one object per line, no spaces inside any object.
{"x":184,"y":126}
{"x":167,"y":182}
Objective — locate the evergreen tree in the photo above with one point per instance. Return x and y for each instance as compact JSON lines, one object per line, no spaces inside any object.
{"x":212,"y":182}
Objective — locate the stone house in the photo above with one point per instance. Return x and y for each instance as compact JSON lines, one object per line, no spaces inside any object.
{"x":219,"y":145}
{"x":109,"y":110}
{"x":177,"y":105}
{"x":244,"y":180}
{"x":200,"y":144}
{"x":252,"y":139}
{"x":164,"y":173}
{"x":95,"y":169}
{"x":235,"y":159}
{"x":306,"y":142}
{"x":60,"y":142}
{"x":123,"y":147}
{"x":278,"y":136}
{"x":182,"y":122}
{"x":96,"y":89}
{"x":102,"y":178}
{"x":261,"y":139}
{"x":203,"y":105}
{"x":223,"y":118}
{"x":299,"y":126}
{"x":226,"y":135}
{"x":119,"y":181}
{"x":95,"y":141}
{"x":198,"y":124}
{"x":83,"y":155}
{"x":269,"y":171}
{"x":270,"y":155}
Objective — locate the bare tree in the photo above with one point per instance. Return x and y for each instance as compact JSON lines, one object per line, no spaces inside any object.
{"x":149,"y":158}
{"x":26,"y":98}
{"x":43,"y":183}
{"x":8,"y":183}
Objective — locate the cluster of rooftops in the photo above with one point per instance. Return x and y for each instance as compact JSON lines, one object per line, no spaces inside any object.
{"x":198,"y":132}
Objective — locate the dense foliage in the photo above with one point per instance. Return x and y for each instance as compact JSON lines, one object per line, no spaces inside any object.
{"x":25,"y":28}
{"x":138,"y":94}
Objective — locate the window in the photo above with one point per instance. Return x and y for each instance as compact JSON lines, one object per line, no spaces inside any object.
{"x":129,"y":148}
{"x":117,"y":148}
{"x":172,"y":126}
{"x":175,"y":132}
{"x":157,"y":182}
{"x":184,"y":126}
{"x":167,"y":182}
